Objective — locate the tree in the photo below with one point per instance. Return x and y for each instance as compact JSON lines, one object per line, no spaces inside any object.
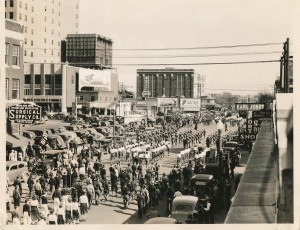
{"x":226,"y":99}
{"x":264,"y":97}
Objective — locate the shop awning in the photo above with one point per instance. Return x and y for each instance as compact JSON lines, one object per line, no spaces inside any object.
{"x":102,"y":105}
{"x":17,"y":140}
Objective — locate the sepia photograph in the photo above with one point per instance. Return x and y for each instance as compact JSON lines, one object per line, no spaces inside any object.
{"x":148,"y":112}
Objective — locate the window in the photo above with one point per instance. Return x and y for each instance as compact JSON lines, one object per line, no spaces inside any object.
{"x":45,"y":29}
{"x":48,"y":79}
{"x":25,"y":6}
{"x":45,"y":40}
{"x":58,"y":13}
{"x":31,"y":31}
{"x":52,"y":42}
{"x":45,"y":51}
{"x":25,"y":53}
{"x":11,"y":15}
{"x":25,"y":41}
{"x":25,"y":18}
{"x":15,"y":85}
{"x":37,"y":91}
{"x":32,"y":9}
{"x":37,"y":79}
{"x":80,"y":98}
{"x":58,"y":53}
{"x":52,"y":11}
{"x":5,"y":14}
{"x":20,"y":4}
{"x":51,"y":52}
{"x":58,"y":23}
{"x":25,"y":29}
{"x":6,"y":88}
{"x":32,"y":20}
{"x":76,"y":16}
{"x":15,"y":55}
{"x":58,"y":43}
{"x":27,"y":79}
{"x":76,"y":6}
{"x":45,"y":8}
{"x":93,"y":98}
{"x":5,"y":3}
{"x":52,"y":32}
{"x":52,"y":21}
{"x":14,"y":167}
{"x":45,"y":18}
{"x":31,"y":54}
{"x":31,"y":43}
{"x":6,"y":52}
{"x":20,"y":16}
{"x":73,"y":80}
{"x":11,"y":3}
{"x":21,"y":166}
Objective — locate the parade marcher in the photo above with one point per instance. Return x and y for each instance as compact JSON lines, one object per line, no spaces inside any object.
{"x":17,"y":182}
{"x":207,"y":211}
{"x":105,"y":189}
{"x":75,"y":211}
{"x":60,"y":215}
{"x":30,"y":184}
{"x":56,"y":196}
{"x":68,"y":211}
{"x":90,"y":193}
{"x":52,"y":218}
{"x":44,"y":203}
{"x":141,"y":204}
{"x":16,"y":197}
{"x":169,"y":196}
{"x":26,"y":213}
{"x":34,"y":209}
{"x":83,"y":202}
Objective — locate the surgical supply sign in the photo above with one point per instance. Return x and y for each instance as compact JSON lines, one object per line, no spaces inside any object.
{"x":100,"y":79}
{"x":24,"y":113}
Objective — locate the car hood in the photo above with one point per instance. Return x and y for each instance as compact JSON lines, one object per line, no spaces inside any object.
{"x":229,"y":148}
{"x":180,"y":216}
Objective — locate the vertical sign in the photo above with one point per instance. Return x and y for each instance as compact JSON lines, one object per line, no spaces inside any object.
{"x":146,"y":91}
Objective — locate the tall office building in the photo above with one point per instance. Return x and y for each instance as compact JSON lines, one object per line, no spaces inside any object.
{"x":87,"y":50}
{"x":45,"y":23}
{"x":199,"y":85}
{"x":168,"y":82}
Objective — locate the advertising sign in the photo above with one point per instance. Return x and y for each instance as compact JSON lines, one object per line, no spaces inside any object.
{"x":190,"y":104}
{"x":25,"y":113}
{"x":262,"y":114}
{"x":95,"y":78}
{"x":250,"y":137}
{"x":250,"y":106}
{"x":167,"y":102}
{"x":146,"y":91}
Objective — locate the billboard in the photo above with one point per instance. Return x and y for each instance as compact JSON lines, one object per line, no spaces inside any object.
{"x":190,"y":104}
{"x":167,"y":102}
{"x":25,"y":113}
{"x":146,"y":92}
{"x":100,"y":79}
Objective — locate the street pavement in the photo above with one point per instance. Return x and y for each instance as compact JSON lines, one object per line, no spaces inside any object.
{"x":112,"y":211}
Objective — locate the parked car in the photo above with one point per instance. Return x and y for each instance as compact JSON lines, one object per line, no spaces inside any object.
{"x":201,"y":183}
{"x":29,"y":134}
{"x":56,"y":142}
{"x":71,"y":127}
{"x":232,"y":149}
{"x":161,"y":220}
{"x":39,"y":132}
{"x":16,"y":168}
{"x":182,"y":206}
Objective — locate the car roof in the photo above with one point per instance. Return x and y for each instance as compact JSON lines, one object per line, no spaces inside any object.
{"x":185,"y":199}
{"x":203,"y":177}
{"x":161,"y":220}
{"x":9,"y":163}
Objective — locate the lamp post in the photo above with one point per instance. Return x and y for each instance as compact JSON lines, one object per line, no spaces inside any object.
{"x":220,"y":127}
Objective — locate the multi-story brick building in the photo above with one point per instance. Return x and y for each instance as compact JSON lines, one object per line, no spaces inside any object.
{"x":168,"y":82}
{"x":13,"y":60}
{"x":46,"y":23}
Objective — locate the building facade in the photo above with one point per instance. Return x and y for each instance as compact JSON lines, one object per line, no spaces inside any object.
{"x":13,"y":60}
{"x":45,"y":23}
{"x":199,"y":85}
{"x":58,"y":87}
{"x":168,"y":82}
{"x":87,"y":50}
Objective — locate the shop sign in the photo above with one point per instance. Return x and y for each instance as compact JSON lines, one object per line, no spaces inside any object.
{"x":25,"y":113}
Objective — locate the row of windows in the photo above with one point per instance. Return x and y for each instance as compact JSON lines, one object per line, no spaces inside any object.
{"x":15,"y":52}
{"x":45,"y":52}
{"x":48,"y":79}
{"x":11,"y":3}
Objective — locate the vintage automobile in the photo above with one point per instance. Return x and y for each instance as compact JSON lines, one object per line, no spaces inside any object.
{"x":16,"y":168}
{"x":201,"y":184}
{"x":56,"y":142}
{"x":161,"y":220}
{"x":232,"y":149}
{"x":182,"y":206}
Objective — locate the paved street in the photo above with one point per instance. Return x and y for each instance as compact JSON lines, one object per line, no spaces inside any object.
{"x":114,"y":205}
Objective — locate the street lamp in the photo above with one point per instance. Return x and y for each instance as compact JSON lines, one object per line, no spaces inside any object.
{"x":220,"y":127}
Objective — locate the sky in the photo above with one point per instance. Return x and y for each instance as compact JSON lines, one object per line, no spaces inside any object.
{"x":164,"y":24}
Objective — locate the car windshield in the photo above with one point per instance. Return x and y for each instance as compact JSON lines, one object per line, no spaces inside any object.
{"x":183,"y":208}
{"x":231,"y":145}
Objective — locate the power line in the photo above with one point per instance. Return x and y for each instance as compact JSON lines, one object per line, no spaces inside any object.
{"x":207,"y":47}
{"x":201,"y":55}
{"x":191,"y":64}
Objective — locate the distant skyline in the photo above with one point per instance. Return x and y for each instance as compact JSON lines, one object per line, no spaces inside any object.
{"x":156,"y":24}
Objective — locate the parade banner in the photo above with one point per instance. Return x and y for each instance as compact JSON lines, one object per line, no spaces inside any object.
{"x":167,"y":102}
{"x":100,"y":79}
